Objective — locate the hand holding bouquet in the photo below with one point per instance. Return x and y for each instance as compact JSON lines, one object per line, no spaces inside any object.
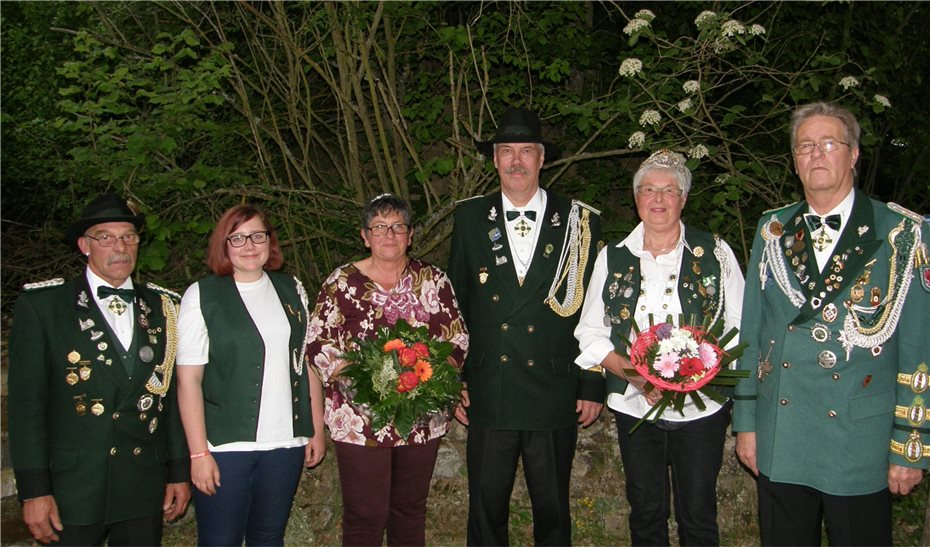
{"x":402,"y":375}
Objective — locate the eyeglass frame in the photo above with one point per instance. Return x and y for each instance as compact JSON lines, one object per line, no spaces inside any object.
{"x":670,"y":191}
{"x":825,"y":146}
{"x":385,"y":227}
{"x":249,"y":237}
{"x":106,"y":237}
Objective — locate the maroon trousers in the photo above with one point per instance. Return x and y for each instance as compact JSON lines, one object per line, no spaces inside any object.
{"x":385,"y":489}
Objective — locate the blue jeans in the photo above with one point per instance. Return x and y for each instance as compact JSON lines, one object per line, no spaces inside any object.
{"x":694,"y":451}
{"x":254,"y":501}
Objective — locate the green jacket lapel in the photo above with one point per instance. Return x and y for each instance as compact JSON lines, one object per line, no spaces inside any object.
{"x":497,"y":247}
{"x":97,"y":342}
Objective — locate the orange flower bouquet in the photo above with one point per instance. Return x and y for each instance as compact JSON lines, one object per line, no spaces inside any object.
{"x":402,"y":375}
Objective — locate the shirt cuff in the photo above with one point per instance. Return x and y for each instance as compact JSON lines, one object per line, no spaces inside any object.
{"x":594,"y":354}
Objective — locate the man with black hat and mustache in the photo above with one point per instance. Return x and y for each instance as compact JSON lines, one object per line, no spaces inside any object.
{"x":519,"y":262}
{"x":95,"y":438}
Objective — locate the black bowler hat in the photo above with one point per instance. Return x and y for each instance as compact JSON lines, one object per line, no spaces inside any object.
{"x":105,"y":208}
{"x":519,"y":125}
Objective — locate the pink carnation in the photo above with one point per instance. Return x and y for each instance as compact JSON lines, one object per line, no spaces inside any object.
{"x":708,"y":354}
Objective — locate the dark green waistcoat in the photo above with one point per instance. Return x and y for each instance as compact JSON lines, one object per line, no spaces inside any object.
{"x":699,"y":290}
{"x":232,"y":381}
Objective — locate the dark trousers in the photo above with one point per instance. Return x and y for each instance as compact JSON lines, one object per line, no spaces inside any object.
{"x":254,"y":501}
{"x":694,"y":452}
{"x":492,"y":457}
{"x":140,"y":531}
{"x":385,"y":489}
{"x":790,"y":514}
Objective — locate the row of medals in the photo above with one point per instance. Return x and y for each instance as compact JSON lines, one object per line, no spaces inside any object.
{"x":626,"y":289}
{"x":81,"y":371}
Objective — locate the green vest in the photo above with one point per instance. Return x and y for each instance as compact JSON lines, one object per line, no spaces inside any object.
{"x":699,"y":292}
{"x":232,"y":380}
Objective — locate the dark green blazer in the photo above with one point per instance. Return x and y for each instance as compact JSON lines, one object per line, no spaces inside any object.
{"x":103,"y":444}
{"x":520,"y":366}
{"x":822,"y":420}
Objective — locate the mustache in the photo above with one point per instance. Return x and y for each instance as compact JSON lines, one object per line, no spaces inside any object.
{"x":517,"y":169}
{"x":118,"y":258}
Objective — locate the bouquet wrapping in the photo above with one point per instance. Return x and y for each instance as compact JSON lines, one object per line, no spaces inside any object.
{"x":402,"y":375}
{"x":684,"y":361}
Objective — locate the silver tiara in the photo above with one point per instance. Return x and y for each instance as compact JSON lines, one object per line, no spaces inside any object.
{"x":667,"y":159}
{"x":379,"y":196}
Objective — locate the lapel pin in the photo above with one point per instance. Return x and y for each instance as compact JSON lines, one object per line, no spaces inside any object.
{"x":862,"y":230}
{"x":500,"y":260}
{"x":556,"y":221}
{"x":82,"y":299}
{"x":483,"y":275}
{"x":492,"y":214}
{"x":86,"y":324}
{"x":548,"y":250}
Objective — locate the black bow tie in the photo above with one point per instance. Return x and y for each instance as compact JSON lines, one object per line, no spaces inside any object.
{"x":514,"y":215}
{"x":816,"y":221}
{"x":104,"y":292}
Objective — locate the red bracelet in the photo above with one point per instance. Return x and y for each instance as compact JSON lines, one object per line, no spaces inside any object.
{"x":196,"y":455}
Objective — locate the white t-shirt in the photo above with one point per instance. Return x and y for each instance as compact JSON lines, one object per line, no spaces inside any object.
{"x":275,"y":423}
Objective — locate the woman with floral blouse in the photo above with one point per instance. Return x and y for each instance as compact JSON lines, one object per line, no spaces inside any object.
{"x":384,"y":474}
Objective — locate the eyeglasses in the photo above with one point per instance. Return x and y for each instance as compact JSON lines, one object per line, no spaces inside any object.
{"x":650,"y":191}
{"x":827,"y":146}
{"x":238,"y":240}
{"x":108,"y":240}
{"x":382,"y":229}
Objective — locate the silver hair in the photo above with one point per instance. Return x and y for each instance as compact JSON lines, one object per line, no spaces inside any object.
{"x":668,"y":161}
{"x":806,"y":111}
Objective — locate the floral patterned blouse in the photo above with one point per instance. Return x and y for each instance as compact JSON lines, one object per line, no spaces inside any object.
{"x":351,"y":305}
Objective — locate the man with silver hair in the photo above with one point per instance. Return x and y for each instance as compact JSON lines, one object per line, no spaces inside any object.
{"x":833,"y":417}
{"x":663,"y":268}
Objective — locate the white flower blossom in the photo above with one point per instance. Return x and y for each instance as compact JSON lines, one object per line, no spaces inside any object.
{"x":756,"y":30}
{"x":698,"y":152}
{"x":882,"y":100}
{"x":848,"y":81}
{"x":645,"y":14}
{"x":635,"y":25}
{"x":630,"y":67}
{"x":684,"y":105}
{"x":649,"y":117}
{"x":721,"y":179}
{"x":637,"y":140}
{"x":704,"y":17}
{"x":691,"y":86}
{"x":732,"y":28}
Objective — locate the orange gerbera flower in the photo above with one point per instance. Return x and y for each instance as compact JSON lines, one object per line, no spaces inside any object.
{"x":424,"y":370}
{"x":394,"y":344}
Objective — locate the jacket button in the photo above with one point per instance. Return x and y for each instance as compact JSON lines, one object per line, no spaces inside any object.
{"x":530,"y":363}
{"x":791,"y":328}
{"x":113,"y":451}
{"x":504,"y":358}
{"x":295,"y":417}
{"x":495,"y":298}
{"x":783,"y":402}
{"x":143,"y":416}
{"x":116,"y":415}
{"x":786,"y":364}
{"x":836,"y":376}
{"x":832,"y":414}
{"x":530,"y":329}
{"x":136,"y":451}
{"x":505,"y":327}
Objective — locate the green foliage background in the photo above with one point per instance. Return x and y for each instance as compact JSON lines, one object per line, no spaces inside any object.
{"x":308,"y":109}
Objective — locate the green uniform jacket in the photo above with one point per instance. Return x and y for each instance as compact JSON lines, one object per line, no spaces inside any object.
{"x":520,"y":367}
{"x":104,"y":446}
{"x":232,"y":379}
{"x":822,"y":420}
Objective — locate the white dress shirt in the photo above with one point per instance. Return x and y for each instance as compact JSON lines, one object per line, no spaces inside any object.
{"x":656,"y":273}
{"x":844,"y":209}
{"x":121,"y":325}
{"x":523,"y":247}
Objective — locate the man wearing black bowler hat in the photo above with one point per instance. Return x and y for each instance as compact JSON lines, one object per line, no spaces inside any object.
{"x":96,"y":442}
{"x":519,"y":262}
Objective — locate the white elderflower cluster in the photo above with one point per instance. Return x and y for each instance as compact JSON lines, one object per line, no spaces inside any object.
{"x":645,"y":14}
{"x":637,"y":140}
{"x":847,"y":82}
{"x":704,"y":17}
{"x":630,"y":67}
{"x":698,"y":152}
{"x":731,"y":28}
{"x":691,"y":86}
{"x":649,"y":117}
{"x":756,"y":30}
{"x":685,"y":105}
{"x":882,"y":100}
{"x":634,"y":26}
